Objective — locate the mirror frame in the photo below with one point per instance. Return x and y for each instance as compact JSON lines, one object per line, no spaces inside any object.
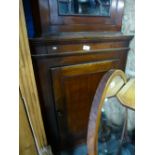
{"x":97,"y":104}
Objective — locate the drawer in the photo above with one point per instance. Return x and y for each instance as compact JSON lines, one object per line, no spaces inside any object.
{"x":83,"y":47}
{"x":66,"y":44}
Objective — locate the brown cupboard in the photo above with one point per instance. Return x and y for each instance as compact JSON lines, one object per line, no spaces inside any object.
{"x":70,"y":54}
{"x":67,"y":80}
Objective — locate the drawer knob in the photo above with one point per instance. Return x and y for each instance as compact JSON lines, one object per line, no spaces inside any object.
{"x":86,"y":47}
{"x":54,"y":48}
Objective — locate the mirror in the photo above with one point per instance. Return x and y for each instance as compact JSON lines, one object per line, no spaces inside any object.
{"x":117,"y":124}
{"x":84,"y":7}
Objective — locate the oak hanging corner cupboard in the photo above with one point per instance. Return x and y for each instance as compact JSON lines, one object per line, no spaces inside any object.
{"x":76,"y":43}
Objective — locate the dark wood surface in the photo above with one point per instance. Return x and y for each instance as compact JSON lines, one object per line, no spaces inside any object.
{"x":74,"y":87}
{"x":81,"y":36}
{"x":73,"y":42}
{"x":67,"y":79}
{"x":49,"y":21}
{"x":67,"y":75}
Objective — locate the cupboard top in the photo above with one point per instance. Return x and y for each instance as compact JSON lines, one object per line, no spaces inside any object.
{"x":81,"y":37}
{"x":51,"y":20}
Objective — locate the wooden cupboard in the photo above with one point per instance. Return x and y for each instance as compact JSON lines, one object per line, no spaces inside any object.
{"x":67,"y":77}
{"x":70,"y":54}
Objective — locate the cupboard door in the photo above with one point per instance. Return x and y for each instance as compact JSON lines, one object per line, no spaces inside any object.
{"x":74,"y":87}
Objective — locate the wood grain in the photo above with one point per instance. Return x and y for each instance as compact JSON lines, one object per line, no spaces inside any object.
{"x":67,"y":80}
{"x":26,"y":140}
{"x":74,"y":87}
{"x":51,"y":21}
{"x":67,"y":75}
{"x":27,"y":83}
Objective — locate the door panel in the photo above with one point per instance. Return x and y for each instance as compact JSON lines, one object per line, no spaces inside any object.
{"x":74,"y":87}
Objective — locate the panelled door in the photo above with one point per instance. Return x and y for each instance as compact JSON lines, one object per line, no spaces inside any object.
{"x":74,"y":87}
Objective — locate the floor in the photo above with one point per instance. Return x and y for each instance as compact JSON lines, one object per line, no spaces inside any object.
{"x":127,"y":149}
{"x":80,"y":150}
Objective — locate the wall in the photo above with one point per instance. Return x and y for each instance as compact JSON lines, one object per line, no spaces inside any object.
{"x":128,"y":27}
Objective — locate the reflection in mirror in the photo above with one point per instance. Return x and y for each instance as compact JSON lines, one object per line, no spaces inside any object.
{"x":115,"y":86}
{"x":117,"y":124}
{"x":84,"y":7}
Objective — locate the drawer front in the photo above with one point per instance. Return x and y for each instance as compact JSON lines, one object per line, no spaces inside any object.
{"x":74,"y":87}
{"x":83,"y":47}
{"x":57,"y":59}
{"x":50,"y":48}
